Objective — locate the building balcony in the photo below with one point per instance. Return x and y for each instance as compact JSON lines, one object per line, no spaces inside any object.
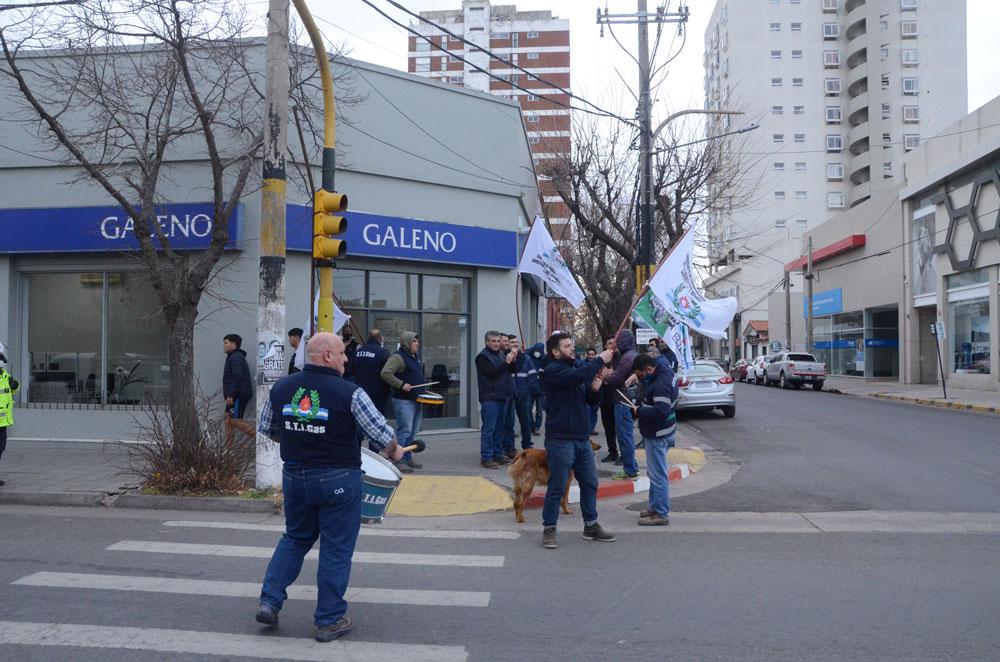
{"x":857,"y":53}
{"x":855,"y":25}
{"x":857,"y":110}
{"x":857,"y":81}
{"x":858,"y":138}
{"x":860,"y":168}
{"x":859,"y":193}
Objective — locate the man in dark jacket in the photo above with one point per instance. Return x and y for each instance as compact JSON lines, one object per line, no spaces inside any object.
{"x":369,"y":359}
{"x":404,"y":373}
{"x":237,"y":387}
{"x":624,"y":423}
{"x":537,"y":354}
{"x":608,"y":400}
{"x":508,"y":413}
{"x":494,"y":371}
{"x":568,"y":390}
{"x":525,"y":386}
{"x":657,"y":424}
{"x":294,"y":338}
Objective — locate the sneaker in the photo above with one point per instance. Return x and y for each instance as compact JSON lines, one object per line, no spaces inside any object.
{"x":489,"y":464}
{"x":624,"y":475}
{"x":645,"y":513}
{"x":595,"y":532}
{"x":654,"y":519}
{"x":510,"y":452}
{"x":403,"y":468}
{"x":413,"y":465}
{"x":618,"y":462}
{"x":326,"y":633}
{"x":266,"y":615}
{"x":610,"y":457}
{"x":502,"y":460}
{"x":549,"y":538}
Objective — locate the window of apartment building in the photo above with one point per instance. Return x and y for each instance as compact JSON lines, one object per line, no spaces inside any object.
{"x":476,"y":29}
{"x":775,"y":27}
{"x":886,"y":140}
{"x":911,"y":113}
{"x":800,"y":166}
{"x":883,"y":52}
{"x":533,"y":56}
{"x":884,"y":81}
{"x":796,"y":26}
{"x":887,"y":169}
{"x":445,"y":61}
{"x":886,"y":111}
{"x":831,"y":87}
{"x":911,"y":86}
{"x":779,"y":195}
{"x":909,"y":56}
{"x":800,"y":137}
{"x":835,"y":200}
{"x":834,"y":114}
{"x":794,"y":2}
{"x":501,"y":35}
{"x":796,"y":54}
{"x":883,"y":22}
{"x":777,"y":110}
{"x":907,"y":4}
{"x":834,"y":142}
{"x":775,"y":55}
{"x":531,"y":119}
{"x":797,"y":81}
{"x":834,"y":172}
{"x":801,"y":224}
{"x":533,"y":140}
{"x":532,"y":97}
{"x":423,"y":45}
{"x":908,"y":29}
{"x":798,"y":110}
{"x":911,"y":141}
{"x":513,"y":39}
{"x":532,"y":34}
{"x":779,"y":166}
{"x":830,"y":5}
{"x":800,"y":195}
{"x":423,"y":64}
{"x":778,"y":138}
{"x":776,"y":82}
{"x":775,"y":2}
{"x":456,"y":79}
{"x":780,"y":224}
{"x":831,"y":31}
{"x":831,"y":59}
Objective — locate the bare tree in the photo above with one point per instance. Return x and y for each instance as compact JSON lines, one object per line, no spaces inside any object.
{"x":599,"y":183}
{"x":130,"y":91}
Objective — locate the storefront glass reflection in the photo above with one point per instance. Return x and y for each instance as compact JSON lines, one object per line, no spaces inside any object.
{"x":969,"y":336}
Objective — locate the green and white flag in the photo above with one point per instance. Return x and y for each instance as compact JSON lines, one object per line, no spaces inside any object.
{"x":651,"y":314}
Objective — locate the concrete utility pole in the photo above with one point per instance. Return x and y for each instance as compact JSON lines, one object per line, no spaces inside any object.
{"x":809,"y":297}
{"x":271,"y":295}
{"x":788,"y":312}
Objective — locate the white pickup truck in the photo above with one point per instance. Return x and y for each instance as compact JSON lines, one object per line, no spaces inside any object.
{"x":795,"y":369}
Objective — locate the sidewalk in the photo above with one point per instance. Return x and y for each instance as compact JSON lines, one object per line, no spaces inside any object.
{"x":987,"y":402}
{"x":451,"y":482}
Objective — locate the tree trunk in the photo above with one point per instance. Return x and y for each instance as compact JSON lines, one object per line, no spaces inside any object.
{"x":180,"y":347}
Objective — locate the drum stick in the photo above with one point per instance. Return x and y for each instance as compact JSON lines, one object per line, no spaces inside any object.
{"x":628,"y":400}
{"x":419,"y":385}
{"x":416,"y":447}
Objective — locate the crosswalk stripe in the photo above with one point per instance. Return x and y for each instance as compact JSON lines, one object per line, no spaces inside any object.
{"x":365,"y":530}
{"x":454,"y":560}
{"x":222,"y":644}
{"x":180,"y":585}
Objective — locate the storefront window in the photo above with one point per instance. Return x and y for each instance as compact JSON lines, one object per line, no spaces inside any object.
{"x":445,"y":294}
{"x":966,"y":278}
{"x":392,"y":290}
{"x":922,"y":255}
{"x":969,"y":336}
{"x":349,"y":285}
{"x":138,"y":368}
{"x":445,"y":338}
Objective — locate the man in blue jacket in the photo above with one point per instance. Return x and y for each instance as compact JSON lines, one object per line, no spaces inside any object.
{"x":526,"y":385}
{"x":657,"y":424}
{"x":568,"y":390}
{"x":237,"y":387}
{"x":369,"y":359}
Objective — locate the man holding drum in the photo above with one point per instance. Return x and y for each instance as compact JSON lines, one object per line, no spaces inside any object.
{"x":314,"y":415}
{"x":405,"y":374}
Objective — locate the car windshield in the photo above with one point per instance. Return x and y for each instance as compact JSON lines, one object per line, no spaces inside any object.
{"x":801,"y":357}
{"x":704,"y":370}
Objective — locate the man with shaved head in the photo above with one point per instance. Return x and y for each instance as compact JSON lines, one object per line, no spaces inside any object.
{"x":316,"y":415}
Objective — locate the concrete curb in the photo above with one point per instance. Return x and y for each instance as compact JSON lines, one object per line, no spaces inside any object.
{"x":139,"y":501}
{"x":613,"y":488}
{"x":934,"y":402}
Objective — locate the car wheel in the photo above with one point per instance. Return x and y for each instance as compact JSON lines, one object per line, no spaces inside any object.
{"x":817,"y":386}
{"x":757,"y":380}
{"x":730,"y":411}
{"x":781,"y":381}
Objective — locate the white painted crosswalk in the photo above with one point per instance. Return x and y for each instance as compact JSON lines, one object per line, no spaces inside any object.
{"x":374,"y":531}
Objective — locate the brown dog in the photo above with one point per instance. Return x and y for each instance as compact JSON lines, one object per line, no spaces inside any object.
{"x":531,"y":466}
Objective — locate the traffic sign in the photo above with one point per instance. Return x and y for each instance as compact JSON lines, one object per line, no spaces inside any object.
{"x":775,"y":346}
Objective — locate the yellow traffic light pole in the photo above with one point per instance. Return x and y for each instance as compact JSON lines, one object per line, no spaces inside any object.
{"x":327,"y":201}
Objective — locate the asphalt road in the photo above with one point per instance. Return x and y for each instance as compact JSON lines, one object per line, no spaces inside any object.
{"x":803,"y":451}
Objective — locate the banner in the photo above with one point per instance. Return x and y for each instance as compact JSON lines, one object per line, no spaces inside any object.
{"x":340,"y":318}
{"x":650,"y":313}
{"x":676,"y":287}
{"x":541,"y":258}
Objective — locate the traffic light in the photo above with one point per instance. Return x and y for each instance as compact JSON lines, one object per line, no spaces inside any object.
{"x":327,"y":206}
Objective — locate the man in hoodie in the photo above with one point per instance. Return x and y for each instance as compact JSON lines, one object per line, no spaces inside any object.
{"x":494,"y":372}
{"x":403,"y":371}
{"x":237,"y":387}
{"x":624,"y":423}
{"x":537,"y":354}
{"x":525,"y":386}
{"x":657,"y":424}
{"x":568,"y":390}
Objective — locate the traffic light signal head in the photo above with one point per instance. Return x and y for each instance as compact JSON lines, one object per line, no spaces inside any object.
{"x":326,"y":223}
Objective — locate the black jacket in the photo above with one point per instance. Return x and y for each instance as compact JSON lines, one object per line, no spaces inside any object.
{"x":236,"y":381}
{"x":567,"y":394}
{"x":657,"y":398}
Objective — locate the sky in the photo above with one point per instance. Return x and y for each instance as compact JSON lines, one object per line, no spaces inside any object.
{"x":599,"y":65}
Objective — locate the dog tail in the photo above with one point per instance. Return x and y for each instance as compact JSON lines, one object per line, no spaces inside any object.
{"x":517,"y":465}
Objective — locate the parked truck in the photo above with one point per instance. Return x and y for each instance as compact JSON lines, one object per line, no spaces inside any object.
{"x":788,"y":369}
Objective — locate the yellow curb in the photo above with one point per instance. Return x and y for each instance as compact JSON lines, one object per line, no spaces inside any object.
{"x":426,"y":496}
{"x":693,"y":457}
{"x":962,"y":406}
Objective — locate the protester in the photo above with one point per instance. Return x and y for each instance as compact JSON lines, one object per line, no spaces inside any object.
{"x":568,"y":390}
{"x":369,"y":359}
{"x":657,"y":424}
{"x":592,"y":410}
{"x":607,"y":407}
{"x":526,"y":384}
{"x":624,"y":423}
{"x":8,"y":387}
{"x":537,"y":354}
{"x":494,"y":372}
{"x":314,"y":416}
{"x":237,"y":387}
{"x":404,"y":372}
{"x":508,"y":414}
{"x":294,"y":338}
{"x":350,"y":347}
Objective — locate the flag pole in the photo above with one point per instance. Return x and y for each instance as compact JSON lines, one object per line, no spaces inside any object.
{"x":517,"y":286}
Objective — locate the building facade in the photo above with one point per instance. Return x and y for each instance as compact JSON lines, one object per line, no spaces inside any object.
{"x":842,"y":90}
{"x":432,"y":248}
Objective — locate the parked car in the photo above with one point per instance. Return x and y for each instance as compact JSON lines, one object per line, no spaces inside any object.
{"x":795,"y":369}
{"x":758,"y":369}
{"x":739,"y":370}
{"x":706,"y":386}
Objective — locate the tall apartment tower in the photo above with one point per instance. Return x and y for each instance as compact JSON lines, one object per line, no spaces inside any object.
{"x":841,"y":90}
{"x":536,"y":41}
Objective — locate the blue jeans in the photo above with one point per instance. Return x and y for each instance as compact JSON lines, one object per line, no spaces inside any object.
{"x":491,"y":432}
{"x":538,"y":403}
{"x":324,"y":504}
{"x":564,"y":455}
{"x":408,"y":415}
{"x":592,"y":411}
{"x":507,"y":429}
{"x":656,"y":467}
{"x":626,"y":438}
{"x":522,"y":408}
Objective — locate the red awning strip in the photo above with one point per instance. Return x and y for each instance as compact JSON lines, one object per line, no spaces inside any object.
{"x":825,"y":253}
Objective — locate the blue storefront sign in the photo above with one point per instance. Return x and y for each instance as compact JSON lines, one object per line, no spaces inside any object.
{"x":833,"y":344}
{"x":881,"y":342}
{"x":825,"y":303}
{"x":187,"y":226}
{"x":376,"y":235}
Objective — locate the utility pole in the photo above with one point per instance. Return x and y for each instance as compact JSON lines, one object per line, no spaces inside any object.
{"x":809,"y":297}
{"x":271,"y":293}
{"x":788,"y":312}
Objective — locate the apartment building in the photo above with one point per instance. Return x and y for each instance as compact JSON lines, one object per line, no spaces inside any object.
{"x":535,"y":41}
{"x":842,"y":89}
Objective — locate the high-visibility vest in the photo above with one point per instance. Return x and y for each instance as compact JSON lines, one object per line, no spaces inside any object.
{"x":6,"y":399}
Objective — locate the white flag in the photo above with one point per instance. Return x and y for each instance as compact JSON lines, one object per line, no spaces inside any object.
{"x":340,"y":318}
{"x":675,"y":285}
{"x":678,"y":339}
{"x":541,"y":258}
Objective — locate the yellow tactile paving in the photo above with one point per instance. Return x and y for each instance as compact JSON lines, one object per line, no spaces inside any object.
{"x":447,"y":495}
{"x":693,"y":457}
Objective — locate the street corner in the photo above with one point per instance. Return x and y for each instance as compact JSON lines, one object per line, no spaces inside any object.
{"x":693,"y":457}
{"x":429,"y":496}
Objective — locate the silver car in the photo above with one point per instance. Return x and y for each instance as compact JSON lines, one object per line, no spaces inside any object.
{"x":706,"y":386}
